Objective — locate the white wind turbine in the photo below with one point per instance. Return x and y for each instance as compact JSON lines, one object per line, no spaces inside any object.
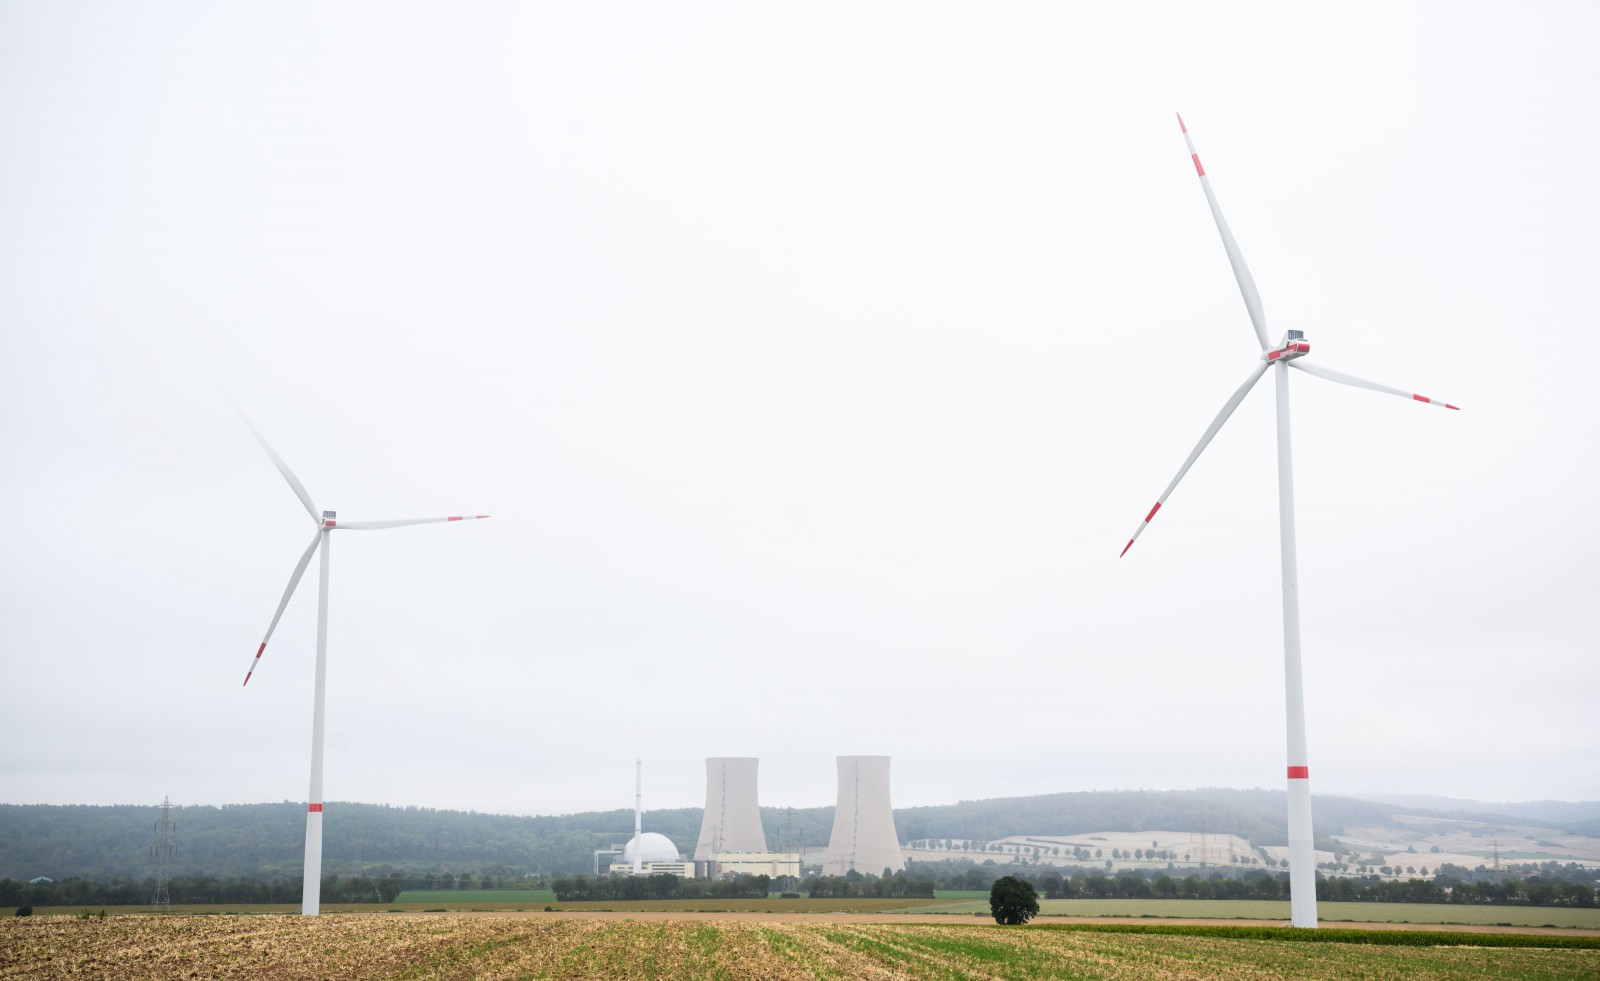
{"x":311,"y":890}
{"x":1283,"y":356}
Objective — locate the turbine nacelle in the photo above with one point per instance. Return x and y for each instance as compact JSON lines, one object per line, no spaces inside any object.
{"x":1294,"y":345}
{"x":327,"y":519}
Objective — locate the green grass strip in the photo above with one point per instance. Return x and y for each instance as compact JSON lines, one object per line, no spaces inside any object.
{"x":1324,"y":935}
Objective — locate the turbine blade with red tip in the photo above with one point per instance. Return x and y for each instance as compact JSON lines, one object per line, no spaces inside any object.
{"x":1351,"y":380}
{"x":1241,"y":272}
{"x":1205,"y":440}
{"x":294,"y":580}
{"x":283,"y":468}
{"x":402,"y":522}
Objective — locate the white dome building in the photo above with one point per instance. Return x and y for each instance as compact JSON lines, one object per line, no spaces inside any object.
{"x":652,"y":848}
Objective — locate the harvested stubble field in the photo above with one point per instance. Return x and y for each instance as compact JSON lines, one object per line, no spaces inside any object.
{"x":1275,"y":909}
{"x":449,"y":946}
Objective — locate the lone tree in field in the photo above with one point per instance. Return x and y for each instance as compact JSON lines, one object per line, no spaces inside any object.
{"x":1013,"y":900}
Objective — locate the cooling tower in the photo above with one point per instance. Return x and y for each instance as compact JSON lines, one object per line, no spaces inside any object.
{"x":863,"y":838}
{"x":733,"y":818}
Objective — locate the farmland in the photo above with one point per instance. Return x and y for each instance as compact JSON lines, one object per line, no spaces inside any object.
{"x":545,"y":945}
{"x":1258,"y":909}
{"x":955,"y":904}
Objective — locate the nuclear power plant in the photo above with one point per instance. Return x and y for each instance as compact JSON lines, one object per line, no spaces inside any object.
{"x":733,"y":842}
{"x":863,"y":839}
{"x":733,"y":818}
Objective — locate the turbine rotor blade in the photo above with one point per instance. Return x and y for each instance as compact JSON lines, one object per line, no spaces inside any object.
{"x":1205,"y":440}
{"x":1354,"y":382}
{"x":294,"y":580}
{"x":1241,"y":272}
{"x":402,"y":522}
{"x":283,"y":468}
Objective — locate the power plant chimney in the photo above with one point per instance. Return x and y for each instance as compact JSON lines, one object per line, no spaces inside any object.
{"x":638,"y":816}
{"x":732,"y":821}
{"x":864,"y":838}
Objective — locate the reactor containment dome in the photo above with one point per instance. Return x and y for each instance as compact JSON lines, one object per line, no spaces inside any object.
{"x":656,"y":849}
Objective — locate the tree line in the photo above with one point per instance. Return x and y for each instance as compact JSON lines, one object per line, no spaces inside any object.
{"x":195,"y":890}
{"x":590,"y":888}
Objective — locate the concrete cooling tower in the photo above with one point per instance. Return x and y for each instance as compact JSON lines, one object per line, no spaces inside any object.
{"x":863,"y":837}
{"x":733,"y":818}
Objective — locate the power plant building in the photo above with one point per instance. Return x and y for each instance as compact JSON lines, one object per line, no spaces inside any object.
{"x":732,"y":840}
{"x":732,"y":821}
{"x":657,"y":856}
{"x":864,"y":837}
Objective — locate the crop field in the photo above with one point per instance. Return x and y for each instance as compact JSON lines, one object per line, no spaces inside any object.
{"x":450,"y":902}
{"x":458,"y":897}
{"x":1266,"y":909}
{"x":534,"y":945}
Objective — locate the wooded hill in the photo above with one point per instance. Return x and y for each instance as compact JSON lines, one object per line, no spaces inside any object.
{"x":63,"y":841}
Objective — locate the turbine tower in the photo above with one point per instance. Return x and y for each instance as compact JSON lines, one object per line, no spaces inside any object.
{"x":732,"y":821}
{"x":1286,"y":354}
{"x":311,"y":889}
{"x":864,"y":837}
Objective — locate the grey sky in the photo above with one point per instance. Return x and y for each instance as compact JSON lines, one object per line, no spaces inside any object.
{"x":815,"y":362}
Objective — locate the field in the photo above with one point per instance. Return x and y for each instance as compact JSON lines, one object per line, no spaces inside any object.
{"x":440,"y":902}
{"x":956,"y":904}
{"x":1262,"y":909}
{"x":457,"y":897}
{"x":552,"y":945}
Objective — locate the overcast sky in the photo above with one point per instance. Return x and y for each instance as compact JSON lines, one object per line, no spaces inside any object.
{"x":815,"y":362}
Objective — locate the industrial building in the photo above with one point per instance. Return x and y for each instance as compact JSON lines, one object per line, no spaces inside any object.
{"x":864,"y":837}
{"x":732,"y":821}
{"x":732,"y":840}
{"x":652,"y":854}
{"x":645,"y":853}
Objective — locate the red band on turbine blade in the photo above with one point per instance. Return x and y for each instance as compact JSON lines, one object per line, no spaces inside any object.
{"x":1152,"y":512}
{"x":315,"y":809}
{"x":247,"y":675}
{"x":1197,"y":168}
{"x":1299,"y":773}
{"x":1420,"y":398}
{"x":1126,"y":547}
{"x":260,"y":649}
{"x":456,"y":518}
{"x":485,"y":515}
{"x":1455,"y":407}
{"x":1180,"y":123}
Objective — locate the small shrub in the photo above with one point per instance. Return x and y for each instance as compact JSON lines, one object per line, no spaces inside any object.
{"x":789,"y":895}
{"x":24,"y":910}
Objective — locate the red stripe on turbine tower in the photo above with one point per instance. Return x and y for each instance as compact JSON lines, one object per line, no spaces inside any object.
{"x":315,"y":808}
{"x":1299,"y":773}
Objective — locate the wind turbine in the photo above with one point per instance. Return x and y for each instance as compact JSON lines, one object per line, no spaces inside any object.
{"x":1286,"y":354}
{"x":311,"y":890}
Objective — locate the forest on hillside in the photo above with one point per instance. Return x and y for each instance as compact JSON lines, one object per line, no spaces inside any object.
{"x":65,"y":841}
